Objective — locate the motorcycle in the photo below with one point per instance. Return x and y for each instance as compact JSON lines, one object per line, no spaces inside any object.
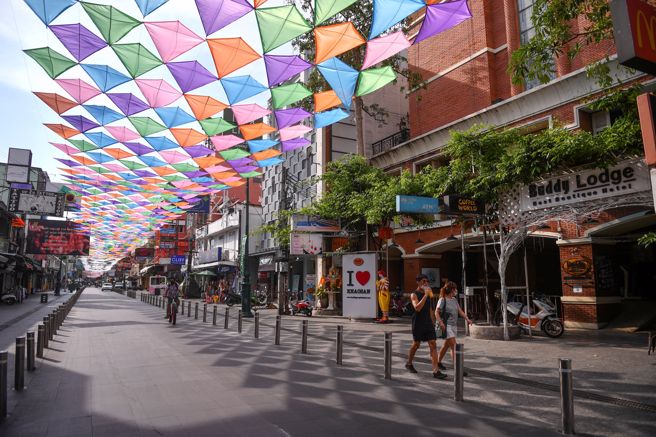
{"x":302,"y":307}
{"x":545,"y":319}
{"x":399,"y":307}
{"x":8,"y":299}
{"x":235,"y":299}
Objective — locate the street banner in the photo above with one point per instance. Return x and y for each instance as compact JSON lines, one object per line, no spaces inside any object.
{"x":304,"y":223}
{"x":35,"y":202}
{"x":306,"y":244}
{"x":54,"y":237}
{"x":359,"y":285}
{"x":417,"y":204}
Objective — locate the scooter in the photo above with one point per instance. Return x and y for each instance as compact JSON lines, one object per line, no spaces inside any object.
{"x":545,"y":319}
{"x":302,"y":307}
{"x":256,"y":299}
{"x":8,"y":299}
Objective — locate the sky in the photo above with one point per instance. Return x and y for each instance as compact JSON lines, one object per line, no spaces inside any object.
{"x":22,"y":114}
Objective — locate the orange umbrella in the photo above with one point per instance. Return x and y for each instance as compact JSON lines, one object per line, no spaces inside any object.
{"x":230,"y":54}
{"x":335,"y":39}
{"x":204,"y":106}
{"x":118,"y":153}
{"x":208,"y":161}
{"x":84,"y":160}
{"x":252,"y":131}
{"x":163,"y":171}
{"x":266,"y":154}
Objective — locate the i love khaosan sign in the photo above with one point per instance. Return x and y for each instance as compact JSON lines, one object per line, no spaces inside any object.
{"x":359,"y":285}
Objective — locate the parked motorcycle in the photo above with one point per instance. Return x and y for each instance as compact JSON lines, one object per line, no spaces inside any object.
{"x":302,"y":307}
{"x":399,"y":307}
{"x":235,"y":299}
{"x":545,"y":319}
{"x":8,"y":299}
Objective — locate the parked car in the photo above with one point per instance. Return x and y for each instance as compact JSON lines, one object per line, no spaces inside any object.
{"x":107,"y":286}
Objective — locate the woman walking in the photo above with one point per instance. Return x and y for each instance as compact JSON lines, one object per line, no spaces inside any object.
{"x":423,"y":327}
{"x":446,"y":314}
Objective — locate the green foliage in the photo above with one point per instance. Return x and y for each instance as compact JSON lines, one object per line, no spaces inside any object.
{"x":555,"y":35}
{"x":279,"y":228}
{"x":647,"y":239}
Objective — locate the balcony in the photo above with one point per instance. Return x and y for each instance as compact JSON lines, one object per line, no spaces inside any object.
{"x":387,"y":144}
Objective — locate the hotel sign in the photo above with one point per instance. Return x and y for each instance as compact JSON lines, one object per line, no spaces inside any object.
{"x":634,"y":24}
{"x":623,"y":179}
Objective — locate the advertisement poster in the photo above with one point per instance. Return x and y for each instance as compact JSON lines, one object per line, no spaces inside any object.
{"x":36,"y":202}
{"x":433,"y":275}
{"x":306,"y":244}
{"x":53,"y":237}
{"x":359,"y":285}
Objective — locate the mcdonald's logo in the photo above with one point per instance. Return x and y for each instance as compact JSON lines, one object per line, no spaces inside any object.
{"x":644,"y":25}
{"x":634,"y":25}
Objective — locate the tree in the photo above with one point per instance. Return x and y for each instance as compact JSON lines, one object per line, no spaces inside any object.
{"x":559,"y":32}
{"x":360,"y":14}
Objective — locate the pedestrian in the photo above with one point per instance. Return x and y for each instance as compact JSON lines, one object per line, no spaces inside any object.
{"x":423,"y":326}
{"x":446,"y":314}
{"x":171,"y":294}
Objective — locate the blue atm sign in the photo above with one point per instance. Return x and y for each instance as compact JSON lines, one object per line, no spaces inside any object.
{"x":417,"y":204}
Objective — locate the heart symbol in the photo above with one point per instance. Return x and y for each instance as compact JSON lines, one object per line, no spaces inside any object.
{"x":362,"y":277}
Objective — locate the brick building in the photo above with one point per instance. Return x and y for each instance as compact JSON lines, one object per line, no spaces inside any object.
{"x":467,"y":83}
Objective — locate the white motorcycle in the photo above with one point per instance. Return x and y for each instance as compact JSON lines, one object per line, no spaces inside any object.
{"x":8,"y":298}
{"x":545,"y":319}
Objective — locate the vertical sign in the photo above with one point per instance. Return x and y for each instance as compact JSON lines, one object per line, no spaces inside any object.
{"x":359,"y":285}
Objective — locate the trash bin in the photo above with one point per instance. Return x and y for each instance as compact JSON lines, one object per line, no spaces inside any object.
{"x":44,"y":298}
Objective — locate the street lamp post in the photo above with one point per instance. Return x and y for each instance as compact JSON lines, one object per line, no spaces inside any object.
{"x":245,"y":281}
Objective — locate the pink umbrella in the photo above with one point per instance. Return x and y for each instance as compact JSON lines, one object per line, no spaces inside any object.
{"x":293,"y":132}
{"x":122,"y":134}
{"x":157,"y":92}
{"x":223,"y":142}
{"x":384,"y":47}
{"x":247,"y":113}
{"x":173,"y":156}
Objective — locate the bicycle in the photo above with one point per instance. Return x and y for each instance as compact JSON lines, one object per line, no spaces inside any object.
{"x":172,"y":310}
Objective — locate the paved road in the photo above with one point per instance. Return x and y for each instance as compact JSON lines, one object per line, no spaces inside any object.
{"x":119,"y":369}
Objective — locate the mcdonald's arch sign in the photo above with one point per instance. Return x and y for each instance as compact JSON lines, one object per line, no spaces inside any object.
{"x":634,"y":24}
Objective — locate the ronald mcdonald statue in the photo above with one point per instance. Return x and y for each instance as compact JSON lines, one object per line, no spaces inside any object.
{"x":382,"y":287}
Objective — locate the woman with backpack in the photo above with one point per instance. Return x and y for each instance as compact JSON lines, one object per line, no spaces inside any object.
{"x":446,"y":316}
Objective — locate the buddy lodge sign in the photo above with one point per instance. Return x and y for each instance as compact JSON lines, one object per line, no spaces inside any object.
{"x":626,"y":178}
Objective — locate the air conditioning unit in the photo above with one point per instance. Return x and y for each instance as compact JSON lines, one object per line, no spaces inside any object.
{"x":225,"y":255}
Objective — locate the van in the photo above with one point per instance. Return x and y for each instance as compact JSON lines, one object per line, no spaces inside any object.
{"x":157,"y":285}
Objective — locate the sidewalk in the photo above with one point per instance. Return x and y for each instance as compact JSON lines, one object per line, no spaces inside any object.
{"x":119,"y":369}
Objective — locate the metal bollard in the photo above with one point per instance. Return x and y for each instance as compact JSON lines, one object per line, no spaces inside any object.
{"x":196,"y":311}
{"x":340,"y":344}
{"x":30,"y":352}
{"x":46,"y":332}
{"x":566,"y":396}
{"x":182,"y":305}
{"x":459,"y":373}
{"x":388,"y":355}
{"x":226,"y":319}
{"x":53,"y":331}
{"x":256,"y":330}
{"x":204,"y":313}
{"x":40,"y":333}
{"x":276,"y":340}
{"x":214,"y":316}
{"x":240,"y":317}
{"x":3,"y":384}
{"x":189,"y":309}
{"x":19,"y":366}
{"x":304,"y":334}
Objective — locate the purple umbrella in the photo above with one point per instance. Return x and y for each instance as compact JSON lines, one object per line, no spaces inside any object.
{"x":79,"y":40}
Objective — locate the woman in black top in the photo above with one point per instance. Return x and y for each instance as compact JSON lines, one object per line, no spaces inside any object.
{"x":423,"y":327}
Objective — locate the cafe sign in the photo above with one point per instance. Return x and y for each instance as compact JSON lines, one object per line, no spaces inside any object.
{"x":634,"y":25}
{"x":626,"y":178}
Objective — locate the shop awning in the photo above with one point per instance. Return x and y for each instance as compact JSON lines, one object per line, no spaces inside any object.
{"x":146,"y":269}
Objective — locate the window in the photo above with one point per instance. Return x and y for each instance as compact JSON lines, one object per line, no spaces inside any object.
{"x":600,"y":120}
{"x":526,"y":32}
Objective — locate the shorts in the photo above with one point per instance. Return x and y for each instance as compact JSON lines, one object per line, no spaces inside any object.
{"x":451,"y":331}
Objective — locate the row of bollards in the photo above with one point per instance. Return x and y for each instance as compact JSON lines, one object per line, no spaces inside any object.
{"x":565,"y":371}
{"x":25,"y":350}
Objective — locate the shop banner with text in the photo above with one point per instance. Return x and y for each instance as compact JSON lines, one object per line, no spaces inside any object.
{"x":359,"y":285}
{"x":54,"y":237}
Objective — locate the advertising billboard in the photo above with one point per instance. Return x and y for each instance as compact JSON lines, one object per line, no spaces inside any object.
{"x":143,"y":253}
{"x":306,"y":244}
{"x":303,"y":223}
{"x":53,"y":237}
{"x":35,"y":202}
{"x":359,"y":285}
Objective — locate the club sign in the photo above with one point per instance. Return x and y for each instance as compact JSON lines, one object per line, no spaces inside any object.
{"x":359,"y":285}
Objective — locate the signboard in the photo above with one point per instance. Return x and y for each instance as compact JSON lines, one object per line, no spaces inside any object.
{"x":19,"y":162}
{"x":209,"y":256}
{"x":36,"y":202}
{"x":167,"y":244}
{"x":359,"y":285}
{"x":458,"y":205}
{"x":178,"y":260}
{"x":202,"y":206}
{"x":417,"y":204}
{"x":634,"y":24}
{"x":303,"y":223}
{"x":623,"y":179}
{"x":53,"y":237}
{"x":143,"y":253}
{"x":306,"y":244}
